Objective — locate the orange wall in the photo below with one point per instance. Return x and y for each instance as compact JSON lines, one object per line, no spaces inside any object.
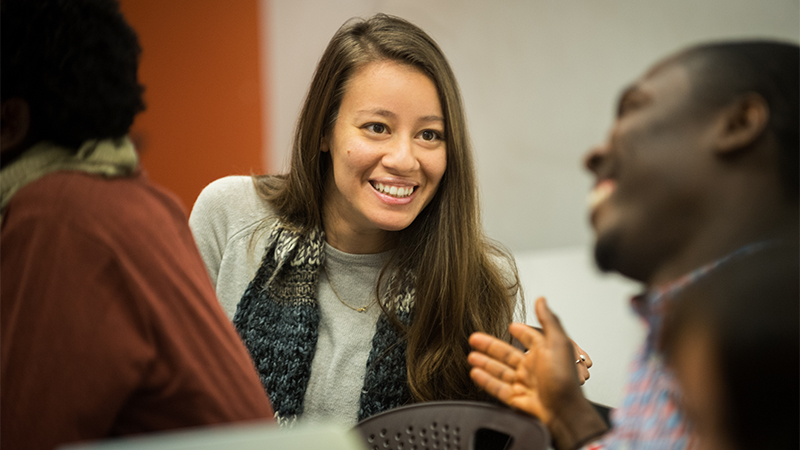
{"x":200,"y":68}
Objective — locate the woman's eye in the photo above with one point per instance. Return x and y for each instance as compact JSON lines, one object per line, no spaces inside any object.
{"x":429,"y":135}
{"x":378,"y":128}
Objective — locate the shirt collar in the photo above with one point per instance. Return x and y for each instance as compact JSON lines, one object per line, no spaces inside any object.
{"x":652,"y":304}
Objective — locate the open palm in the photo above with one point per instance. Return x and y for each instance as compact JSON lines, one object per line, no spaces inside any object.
{"x":537,"y":381}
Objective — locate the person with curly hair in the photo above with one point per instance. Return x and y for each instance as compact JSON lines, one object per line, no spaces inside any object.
{"x":108,"y":323}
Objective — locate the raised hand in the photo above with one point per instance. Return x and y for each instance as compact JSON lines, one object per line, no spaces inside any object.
{"x":543,"y":382}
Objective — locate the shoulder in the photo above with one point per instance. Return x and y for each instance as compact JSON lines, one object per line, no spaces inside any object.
{"x":135,"y":224}
{"x":229,"y":193}
{"x":226,"y":186}
{"x":123,"y":204}
{"x":229,"y":204}
{"x":227,"y":221}
{"x":233,"y":196}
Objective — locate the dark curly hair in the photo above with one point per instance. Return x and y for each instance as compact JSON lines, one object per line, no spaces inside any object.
{"x":75,"y":63}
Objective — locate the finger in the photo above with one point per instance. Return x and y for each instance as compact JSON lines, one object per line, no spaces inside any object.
{"x":495,"y":348}
{"x":555,"y":336}
{"x":554,"y":333}
{"x":490,"y":384}
{"x":550,"y":322}
{"x":583,"y":373}
{"x":588,"y":361}
{"x":582,"y":355}
{"x":492,"y":367}
{"x":529,"y":336}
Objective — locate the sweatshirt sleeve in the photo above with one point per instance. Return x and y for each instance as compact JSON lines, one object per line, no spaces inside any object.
{"x":209,"y":222}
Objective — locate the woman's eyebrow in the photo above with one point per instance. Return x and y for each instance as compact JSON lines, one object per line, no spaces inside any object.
{"x":431,"y":118}
{"x":389,"y":114}
{"x":378,"y":112}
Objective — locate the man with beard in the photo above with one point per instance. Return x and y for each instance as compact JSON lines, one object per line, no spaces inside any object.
{"x":700,"y":169}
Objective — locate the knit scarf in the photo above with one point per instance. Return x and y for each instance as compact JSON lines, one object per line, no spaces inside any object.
{"x":278,"y":320}
{"x":108,"y":157}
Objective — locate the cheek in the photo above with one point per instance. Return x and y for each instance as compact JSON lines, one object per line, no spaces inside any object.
{"x":647,"y":172}
{"x":434,"y":165}
{"x":353,"y":158}
{"x":657,"y":152}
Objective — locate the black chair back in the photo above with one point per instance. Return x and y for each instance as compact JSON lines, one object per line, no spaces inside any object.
{"x":453,"y":425}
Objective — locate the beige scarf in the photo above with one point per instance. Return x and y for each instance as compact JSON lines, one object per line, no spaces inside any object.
{"x":108,"y":157}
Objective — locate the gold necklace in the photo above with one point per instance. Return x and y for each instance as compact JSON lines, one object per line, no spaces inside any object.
{"x":330,"y":283}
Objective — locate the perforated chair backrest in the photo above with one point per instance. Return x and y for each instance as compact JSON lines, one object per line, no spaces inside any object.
{"x":453,"y":425}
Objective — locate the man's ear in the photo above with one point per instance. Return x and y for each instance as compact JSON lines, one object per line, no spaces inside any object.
{"x":15,"y":123}
{"x":742,"y":122}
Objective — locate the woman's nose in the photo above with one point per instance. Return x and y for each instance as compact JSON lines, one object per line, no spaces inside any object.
{"x":400,"y":156}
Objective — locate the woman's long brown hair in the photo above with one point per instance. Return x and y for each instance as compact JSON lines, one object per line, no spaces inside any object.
{"x":464,"y":282}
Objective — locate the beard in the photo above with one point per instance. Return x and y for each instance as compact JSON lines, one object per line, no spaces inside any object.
{"x":612,"y":253}
{"x":606,"y":253}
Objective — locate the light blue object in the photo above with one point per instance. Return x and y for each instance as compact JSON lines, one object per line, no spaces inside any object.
{"x":239,"y":437}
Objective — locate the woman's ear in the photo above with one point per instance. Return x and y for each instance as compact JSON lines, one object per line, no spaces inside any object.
{"x":15,"y":123}
{"x":742,"y":122}
{"x":324,"y":147}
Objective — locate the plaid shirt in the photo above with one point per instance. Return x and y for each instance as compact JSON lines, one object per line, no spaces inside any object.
{"x":649,"y":417}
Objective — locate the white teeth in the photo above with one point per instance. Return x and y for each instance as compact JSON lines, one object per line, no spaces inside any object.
{"x":394,"y":191}
{"x":600,"y":193}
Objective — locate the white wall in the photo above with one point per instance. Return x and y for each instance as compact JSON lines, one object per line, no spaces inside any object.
{"x":539,"y":79}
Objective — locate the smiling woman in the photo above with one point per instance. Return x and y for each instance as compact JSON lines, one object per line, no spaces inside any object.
{"x":388,"y":156}
{"x":356,"y":278}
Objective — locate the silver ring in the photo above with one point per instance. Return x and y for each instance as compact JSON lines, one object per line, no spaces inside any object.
{"x":582,"y":358}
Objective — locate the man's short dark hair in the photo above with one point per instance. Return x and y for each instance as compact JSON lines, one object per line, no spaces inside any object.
{"x":75,"y":63}
{"x":720,"y":71}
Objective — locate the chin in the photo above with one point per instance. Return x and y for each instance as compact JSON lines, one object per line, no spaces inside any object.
{"x":605,"y":254}
{"x":611,"y":254}
{"x":397,"y":223}
{"x":393,"y":226}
